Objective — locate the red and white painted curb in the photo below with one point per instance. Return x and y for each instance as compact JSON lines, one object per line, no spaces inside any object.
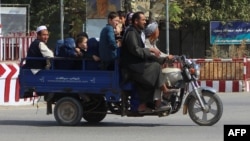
{"x":224,"y":85}
{"x":9,"y":85}
{"x":247,"y":87}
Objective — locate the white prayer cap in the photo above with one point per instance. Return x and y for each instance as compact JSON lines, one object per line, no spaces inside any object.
{"x":42,"y":27}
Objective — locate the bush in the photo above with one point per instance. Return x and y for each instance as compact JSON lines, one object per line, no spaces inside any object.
{"x":231,"y":51}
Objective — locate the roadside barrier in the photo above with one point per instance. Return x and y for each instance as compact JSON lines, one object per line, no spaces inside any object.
{"x":9,"y":85}
{"x":12,"y":49}
{"x":225,"y":75}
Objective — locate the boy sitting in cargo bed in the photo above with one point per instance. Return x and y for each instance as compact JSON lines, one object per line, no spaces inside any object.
{"x":88,"y":49}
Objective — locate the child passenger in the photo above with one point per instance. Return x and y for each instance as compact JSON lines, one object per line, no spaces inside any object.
{"x":81,"y":46}
{"x":88,"y":50}
{"x":93,"y":55}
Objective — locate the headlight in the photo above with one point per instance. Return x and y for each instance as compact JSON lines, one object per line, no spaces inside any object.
{"x":197,"y":70}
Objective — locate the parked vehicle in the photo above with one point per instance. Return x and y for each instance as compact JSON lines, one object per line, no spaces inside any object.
{"x":92,"y":94}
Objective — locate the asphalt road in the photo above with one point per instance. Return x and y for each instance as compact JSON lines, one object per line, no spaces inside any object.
{"x":25,"y":123}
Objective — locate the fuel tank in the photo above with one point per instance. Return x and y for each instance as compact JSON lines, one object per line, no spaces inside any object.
{"x":173,"y":76}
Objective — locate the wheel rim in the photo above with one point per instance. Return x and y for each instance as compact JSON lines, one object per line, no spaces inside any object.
{"x":207,"y":114}
{"x":67,"y":111}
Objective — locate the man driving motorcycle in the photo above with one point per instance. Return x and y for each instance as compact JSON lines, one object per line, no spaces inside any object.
{"x":143,"y":65}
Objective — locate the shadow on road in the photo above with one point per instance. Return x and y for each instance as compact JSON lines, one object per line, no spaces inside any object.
{"x":82,"y":124}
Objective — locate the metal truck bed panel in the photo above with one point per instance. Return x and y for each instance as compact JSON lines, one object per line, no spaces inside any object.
{"x":68,"y":81}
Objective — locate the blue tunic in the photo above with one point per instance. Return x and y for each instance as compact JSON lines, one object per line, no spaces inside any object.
{"x":107,"y":44}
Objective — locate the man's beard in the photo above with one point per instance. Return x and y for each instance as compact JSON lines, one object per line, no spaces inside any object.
{"x":141,"y":27}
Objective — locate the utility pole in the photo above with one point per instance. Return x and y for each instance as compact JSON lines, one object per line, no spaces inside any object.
{"x":167,"y":27}
{"x":62,"y":17}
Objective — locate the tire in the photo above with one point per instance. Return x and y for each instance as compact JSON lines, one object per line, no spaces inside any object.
{"x":97,"y":113}
{"x":68,"y":111}
{"x":209,"y":117}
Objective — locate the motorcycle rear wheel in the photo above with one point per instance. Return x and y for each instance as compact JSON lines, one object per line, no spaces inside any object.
{"x":206,"y":117}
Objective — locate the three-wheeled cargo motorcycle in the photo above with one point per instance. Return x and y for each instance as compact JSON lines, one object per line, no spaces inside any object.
{"x":91,"y":94}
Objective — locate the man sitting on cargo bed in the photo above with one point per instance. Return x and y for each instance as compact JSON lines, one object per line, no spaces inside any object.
{"x":38,"y":48}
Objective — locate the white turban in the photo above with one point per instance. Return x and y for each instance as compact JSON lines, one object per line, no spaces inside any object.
{"x":150,"y":28}
{"x":42,"y":27}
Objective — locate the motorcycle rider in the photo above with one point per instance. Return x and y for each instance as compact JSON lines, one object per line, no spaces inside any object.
{"x":143,"y":65}
{"x":152,"y":33}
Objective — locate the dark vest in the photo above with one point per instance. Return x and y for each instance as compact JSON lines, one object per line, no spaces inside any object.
{"x":34,"y":51}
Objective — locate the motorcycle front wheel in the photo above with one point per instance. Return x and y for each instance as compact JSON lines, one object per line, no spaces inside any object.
{"x":211,"y":114}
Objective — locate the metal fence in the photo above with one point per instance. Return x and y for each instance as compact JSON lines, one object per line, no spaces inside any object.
{"x":222,"y":69}
{"x":14,"y":48}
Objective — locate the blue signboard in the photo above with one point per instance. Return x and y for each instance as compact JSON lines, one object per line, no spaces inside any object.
{"x":229,"y":33}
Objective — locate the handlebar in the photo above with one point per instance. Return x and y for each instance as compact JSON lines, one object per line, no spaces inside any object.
{"x":179,"y":58}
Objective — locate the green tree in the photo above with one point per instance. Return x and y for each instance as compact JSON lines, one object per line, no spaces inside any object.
{"x":76,"y":15}
{"x":198,"y":13}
